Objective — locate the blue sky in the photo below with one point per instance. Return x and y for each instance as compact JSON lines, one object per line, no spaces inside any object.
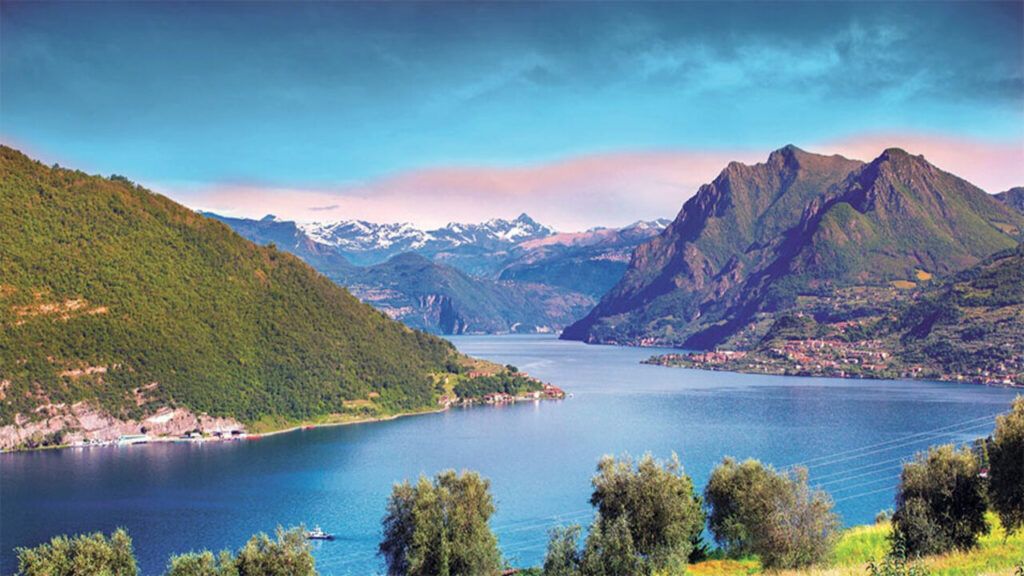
{"x":321,"y":98}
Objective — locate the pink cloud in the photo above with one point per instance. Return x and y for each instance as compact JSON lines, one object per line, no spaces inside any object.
{"x":991,"y":166}
{"x":572,"y":194}
{"x":580,"y":192}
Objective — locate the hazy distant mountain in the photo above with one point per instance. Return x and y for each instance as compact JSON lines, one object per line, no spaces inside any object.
{"x":439,"y":298}
{"x":421,"y":292}
{"x":495,"y":277}
{"x":590,"y":262}
{"x":1014,"y":198}
{"x":758,"y":236}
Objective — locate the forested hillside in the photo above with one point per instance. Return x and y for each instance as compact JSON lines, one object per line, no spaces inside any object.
{"x":112,"y":293}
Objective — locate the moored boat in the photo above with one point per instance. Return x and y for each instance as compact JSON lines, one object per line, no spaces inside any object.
{"x":318,"y":534}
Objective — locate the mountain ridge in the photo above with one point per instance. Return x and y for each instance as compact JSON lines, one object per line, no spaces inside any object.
{"x":756,"y":236}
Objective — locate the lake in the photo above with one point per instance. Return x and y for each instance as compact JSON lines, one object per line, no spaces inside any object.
{"x":538,"y":456}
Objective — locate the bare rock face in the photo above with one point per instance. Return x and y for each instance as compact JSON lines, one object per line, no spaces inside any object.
{"x":83,"y":422}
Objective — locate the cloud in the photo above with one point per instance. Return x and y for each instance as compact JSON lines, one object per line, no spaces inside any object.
{"x":580,"y":192}
{"x":992,"y":166}
{"x":571,"y":194}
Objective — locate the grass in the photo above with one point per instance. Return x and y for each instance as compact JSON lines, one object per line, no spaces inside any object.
{"x":995,"y":555}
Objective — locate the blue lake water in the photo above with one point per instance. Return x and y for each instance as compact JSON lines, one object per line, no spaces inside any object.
{"x":538,"y":456}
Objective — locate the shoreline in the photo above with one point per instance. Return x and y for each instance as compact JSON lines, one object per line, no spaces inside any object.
{"x":256,"y":436}
{"x":907,"y":377}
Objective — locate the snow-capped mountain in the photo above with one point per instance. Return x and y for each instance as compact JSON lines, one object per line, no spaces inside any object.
{"x":368,"y":242}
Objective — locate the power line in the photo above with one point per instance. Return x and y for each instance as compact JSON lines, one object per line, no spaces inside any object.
{"x":813,"y":462}
{"x":862,"y":494}
{"x":867,"y":483}
{"x":904,"y":444}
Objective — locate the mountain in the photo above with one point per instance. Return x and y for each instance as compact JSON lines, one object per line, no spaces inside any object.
{"x":758,"y":237}
{"x":527,"y":277}
{"x":423,"y":293}
{"x":590,"y":262}
{"x":1014,"y":198}
{"x":968,"y":326}
{"x":467,"y":246}
{"x":972,"y":324}
{"x":118,"y":299}
{"x":431,"y":296}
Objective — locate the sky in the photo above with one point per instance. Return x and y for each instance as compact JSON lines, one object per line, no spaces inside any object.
{"x":580,"y":114}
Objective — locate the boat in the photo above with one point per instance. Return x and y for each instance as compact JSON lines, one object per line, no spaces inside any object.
{"x":131,"y":439}
{"x":318,"y":534}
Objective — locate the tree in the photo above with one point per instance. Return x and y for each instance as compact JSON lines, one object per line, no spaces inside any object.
{"x":654,"y":501}
{"x":440,"y":527}
{"x":563,"y":557}
{"x":610,"y":550}
{"x":1006,"y":472}
{"x":202,"y":564}
{"x":79,"y":555}
{"x":940,"y":502}
{"x":756,"y":510}
{"x":288,"y":555}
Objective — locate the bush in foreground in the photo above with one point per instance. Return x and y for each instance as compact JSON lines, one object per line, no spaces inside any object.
{"x":756,"y":510}
{"x":85,"y":554}
{"x":203,"y":564}
{"x":288,"y":554}
{"x":1006,"y":473}
{"x":651,"y":503}
{"x":648,"y":519}
{"x":440,"y":527}
{"x":940,"y":502}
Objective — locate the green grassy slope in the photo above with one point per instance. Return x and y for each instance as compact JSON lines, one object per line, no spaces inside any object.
{"x":100,"y":273}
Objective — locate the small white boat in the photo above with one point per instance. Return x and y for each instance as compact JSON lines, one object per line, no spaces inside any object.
{"x":318,"y":534}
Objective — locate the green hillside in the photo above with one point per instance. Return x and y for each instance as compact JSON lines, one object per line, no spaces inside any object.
{"x":106,"y":288}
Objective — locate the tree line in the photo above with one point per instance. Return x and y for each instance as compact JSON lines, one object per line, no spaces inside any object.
{"x":649,"y":519}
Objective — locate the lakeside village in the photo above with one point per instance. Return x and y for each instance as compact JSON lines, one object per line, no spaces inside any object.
{"x":837,"y":359}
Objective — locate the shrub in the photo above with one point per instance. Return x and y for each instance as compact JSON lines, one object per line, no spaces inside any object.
{"x":940,"y":502}
{"x":896,"y":563}
{"x":563,"y":557}
{"x":202,"y":564}
{"x":654,"y":502}
{"x":610,"y":550}
{"x":440,"y":527}
{"x":1006,"y":472}
{"x":288,"y":555}
{"x":78,"y":555}
{"x":756,"y":510}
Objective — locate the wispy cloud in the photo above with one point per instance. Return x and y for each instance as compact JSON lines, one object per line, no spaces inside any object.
{"x":579,"y":192}
{"x":572,"y":194}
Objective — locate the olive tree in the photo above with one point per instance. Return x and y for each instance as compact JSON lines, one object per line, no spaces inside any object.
{"x":654,"y":501}
{"x":202,"y":564}
{"x":1006,"y":472}
{"x":775,"y":515}
{"x":288,"y":554}
{"x":611,"y":551}
{"x":563,"y":557}
{"x":940,"y":502}
{"x":82,"y":554}
{"x":440,"y":527}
